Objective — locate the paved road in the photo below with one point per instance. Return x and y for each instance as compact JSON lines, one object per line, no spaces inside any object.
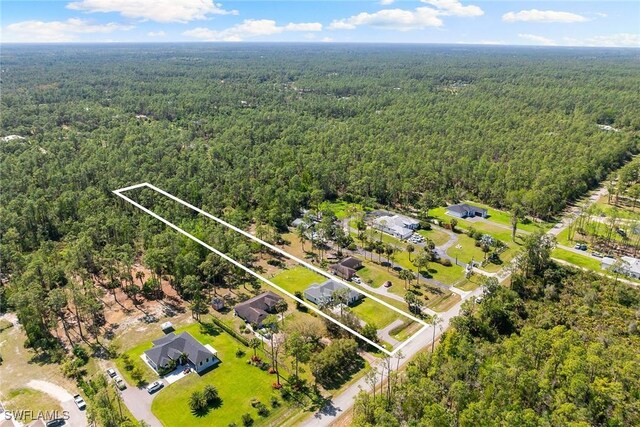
{"x":343,"y":402}
{"x":384,"y":335}
{"x":77,"y":418}
{"x":138,"y":400}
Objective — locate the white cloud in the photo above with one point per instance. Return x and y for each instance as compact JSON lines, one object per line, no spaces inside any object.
{"x":326,"y":39}
{"x":454,"y":8}
{"x":406,"y":20}
{"x":395,"y":19}
{"x":492,"y":42}
{"x":535,"y":15}
{"x":386,"y":2}
{"x":155,"y":10}
{"x":538,"y":40}
{"x":56,"y":31}
{"x":156,"y":34}
{"x":250,"y":28}
{"x":611,"y":40}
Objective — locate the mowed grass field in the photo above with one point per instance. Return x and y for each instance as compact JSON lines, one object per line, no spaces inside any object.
{"x":297,"y":279}
{"x":577,"y":259}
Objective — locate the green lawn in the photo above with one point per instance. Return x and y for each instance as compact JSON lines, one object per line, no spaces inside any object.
{"x":297,"y":279}
{"x":373,"y":312}
{"x":439,"y":237}
{"x":497,"y":216}
{"x":469,"y":284}
{"x":576,"y":259}
{"x":470,"y":251}
{"x":340,"y":208}
{"x":237,"y":383}
{"x":28,"y":399}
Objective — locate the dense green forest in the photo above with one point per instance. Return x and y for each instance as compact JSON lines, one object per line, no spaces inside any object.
{"x":266,"y":129}
{"x":556,"y":348}
{"x":254,"y":133}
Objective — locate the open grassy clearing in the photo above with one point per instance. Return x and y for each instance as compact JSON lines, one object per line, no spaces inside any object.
{"x":373,"y":312}
{"x":28,"y":399}
{"x":470,"y":251}
{"x":621,"y":210}
{"x":439,"y":237}
{"x":297,"y":279}
{"x":341,"y":208}
{"x":577,"y":259}
{"x":469,"y":284}
{"x":21,"y":365}
{"x":405,"y":331}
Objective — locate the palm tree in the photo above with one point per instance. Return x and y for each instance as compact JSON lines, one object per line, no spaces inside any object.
{"x":410,"y":250}
{"x":435,"y":320}
{"x":254,"y":343}
{"x":301,"y":231}
{"x":281,"y":307}
{"x":389,"y":251}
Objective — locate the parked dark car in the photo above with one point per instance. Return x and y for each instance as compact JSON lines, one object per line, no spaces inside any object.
{"x":56,"y":422}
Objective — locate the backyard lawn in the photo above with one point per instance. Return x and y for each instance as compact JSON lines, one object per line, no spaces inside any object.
{"x":236,"y":381}
{"x":373,"y":312}
{"x":439,"y":237}
{"x":297,"y":279}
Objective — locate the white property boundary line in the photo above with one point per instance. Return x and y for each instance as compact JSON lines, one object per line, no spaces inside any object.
{"x":119,"y":192}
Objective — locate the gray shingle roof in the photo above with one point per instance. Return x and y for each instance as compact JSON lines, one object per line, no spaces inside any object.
{"x":255,"y":310}
{"x":171,"y":346}
{"x":324,"y":291}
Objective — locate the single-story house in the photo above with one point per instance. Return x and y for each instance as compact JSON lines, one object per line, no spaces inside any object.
{"x":399,"y":226}
{"x":255,"y":310}
{"x":323,"y":293}
{"x":463,"y":210}
{"x":171,"y":347}
{"x":346,"y":268}
{"x":628,"y":266}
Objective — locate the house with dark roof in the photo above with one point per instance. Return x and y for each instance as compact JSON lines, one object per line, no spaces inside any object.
{"x":255,"y":310}
{"x":346,"y":268}
{"x":463,"y":210}
{"x":323,"y":293}
{"x":169,"y":349}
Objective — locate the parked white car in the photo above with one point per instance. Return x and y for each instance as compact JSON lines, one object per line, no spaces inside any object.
{"x":155,"y":386}
{"x":80,"y":403}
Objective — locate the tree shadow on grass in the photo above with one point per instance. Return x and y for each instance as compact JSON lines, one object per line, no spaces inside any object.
{"x":344,"y":375}
{"x":203,"y":412}
{"x":210,"y":329}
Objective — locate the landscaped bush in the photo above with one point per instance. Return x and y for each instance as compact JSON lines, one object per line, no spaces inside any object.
{"x":262,"y":409}
{"x":240,"y":353}
{"x":247,"y":420}
{"x":274,"y":402}
{"x":446,"y":262}
{"x":126,"y":360}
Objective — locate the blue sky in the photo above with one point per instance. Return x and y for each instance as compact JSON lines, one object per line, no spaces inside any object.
{"x":571,"y":23}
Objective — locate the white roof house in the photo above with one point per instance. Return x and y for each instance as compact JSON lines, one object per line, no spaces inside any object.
{"x":630,"y":266}
{"x":397,"y":225}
